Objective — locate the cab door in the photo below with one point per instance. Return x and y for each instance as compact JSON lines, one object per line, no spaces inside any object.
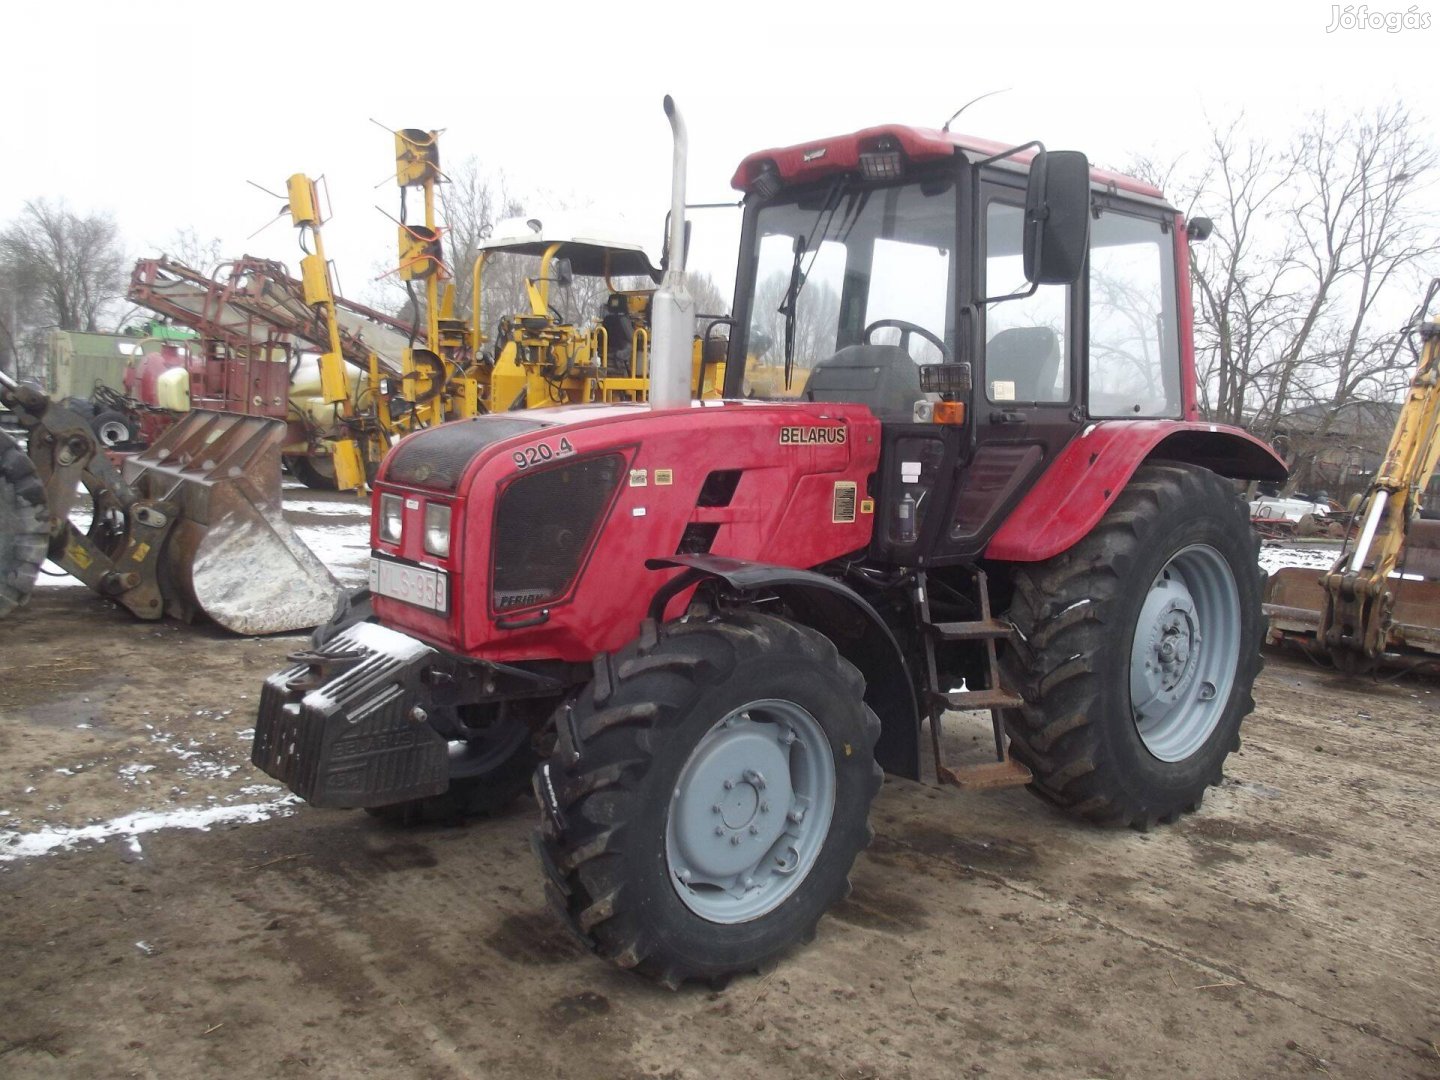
{"x":1025,"y":406}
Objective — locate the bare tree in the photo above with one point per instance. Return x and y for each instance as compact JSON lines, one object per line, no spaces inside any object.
{"x":74,"y":263}
{"x":199,"y":253}
{"x":473,"y":202}
{"x":1315,"y":246}
{"x":18,"y":296}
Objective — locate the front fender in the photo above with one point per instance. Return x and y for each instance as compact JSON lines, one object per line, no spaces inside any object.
{"x":842,"y":615}
{"x":1088,"y":475}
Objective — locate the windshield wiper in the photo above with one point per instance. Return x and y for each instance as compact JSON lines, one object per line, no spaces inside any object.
{"x":798,"y":277}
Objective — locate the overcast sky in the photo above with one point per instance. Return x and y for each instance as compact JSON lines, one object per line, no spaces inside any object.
{"x":158,"y":111}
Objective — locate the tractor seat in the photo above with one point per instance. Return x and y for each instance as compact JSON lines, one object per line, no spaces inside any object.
{"x":1027,"y":357}
{"x":884,"y":377}
{"x":619,"y":339}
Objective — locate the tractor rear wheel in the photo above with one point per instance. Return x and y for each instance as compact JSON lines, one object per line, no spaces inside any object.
{"x":24,"y":526}
{"x":708,"y":795}
{"x":1139,"y":649}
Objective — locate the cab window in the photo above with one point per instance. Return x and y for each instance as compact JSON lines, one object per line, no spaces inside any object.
{"x":1134,"y":356}
{"x":851,"y":261}
{"x":1026,"y":340}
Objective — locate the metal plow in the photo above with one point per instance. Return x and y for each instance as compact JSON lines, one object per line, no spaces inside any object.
{"x":1295,"y":603}
{"x":228,"y":554}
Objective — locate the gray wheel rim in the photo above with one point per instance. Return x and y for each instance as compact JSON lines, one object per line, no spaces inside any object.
{"x":1185,"y":651}
{"x":750,"y":812}
{"x":112,"y":433}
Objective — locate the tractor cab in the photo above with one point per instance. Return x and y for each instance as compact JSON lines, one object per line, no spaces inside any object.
{"x":987,"y":303}
{"x":584,"y":335}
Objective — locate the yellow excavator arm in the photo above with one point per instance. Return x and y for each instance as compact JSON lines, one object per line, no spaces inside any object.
{"x":1360,"y":593}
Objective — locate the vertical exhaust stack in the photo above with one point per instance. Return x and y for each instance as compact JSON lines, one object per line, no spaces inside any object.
{"x":673,"y":315}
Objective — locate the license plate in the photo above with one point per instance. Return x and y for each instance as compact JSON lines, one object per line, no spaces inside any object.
{"x":418,"y":585}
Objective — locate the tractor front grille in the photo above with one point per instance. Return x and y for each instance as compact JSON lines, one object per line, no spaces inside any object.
{"x":544,"y":526}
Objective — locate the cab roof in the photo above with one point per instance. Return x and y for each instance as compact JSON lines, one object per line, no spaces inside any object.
{"x":593,"y":249}
{"x":841,"y":153}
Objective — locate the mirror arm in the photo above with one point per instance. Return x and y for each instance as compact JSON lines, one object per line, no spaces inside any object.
{"x":1034,"y":286}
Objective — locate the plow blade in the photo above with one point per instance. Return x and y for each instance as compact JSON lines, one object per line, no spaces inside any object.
{"x":229,"y":554}
{"x":1295,"y":600}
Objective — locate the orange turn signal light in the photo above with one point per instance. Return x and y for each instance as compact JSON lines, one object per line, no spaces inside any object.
{"x":949,"y":412}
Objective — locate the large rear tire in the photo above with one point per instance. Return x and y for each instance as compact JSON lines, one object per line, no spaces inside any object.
{"x":708,"y":795}
{"x":1139,"y":649}
{"x":24,"y":526}
{"x":316,"y":472}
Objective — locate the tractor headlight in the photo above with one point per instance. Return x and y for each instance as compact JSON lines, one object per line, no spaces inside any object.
{"x":391,"y":509}
{"x":437,"y":529}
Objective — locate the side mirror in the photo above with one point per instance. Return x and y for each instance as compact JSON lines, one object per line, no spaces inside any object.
{"x":1057,"y":217}
{"x":563,"y":273}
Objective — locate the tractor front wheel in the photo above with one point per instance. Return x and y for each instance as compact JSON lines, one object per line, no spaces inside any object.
{"x":708,"y":795}
{"x":1138,"y":650}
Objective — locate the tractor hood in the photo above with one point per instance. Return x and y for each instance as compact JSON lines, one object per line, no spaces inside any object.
{"x":553,"y":514}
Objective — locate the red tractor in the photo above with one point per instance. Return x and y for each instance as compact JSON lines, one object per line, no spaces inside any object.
{"x":958,"y":465}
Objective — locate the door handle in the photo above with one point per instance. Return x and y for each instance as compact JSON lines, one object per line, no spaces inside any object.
{"x":1006,"y":416}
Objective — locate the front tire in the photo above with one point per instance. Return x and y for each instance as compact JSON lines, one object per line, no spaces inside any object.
{"x":1139,"y":649}
{"x":708,"y":795}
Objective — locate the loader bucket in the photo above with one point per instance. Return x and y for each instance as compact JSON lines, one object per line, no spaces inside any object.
{"x":1295,"y":599}
{"x":230,"y":555}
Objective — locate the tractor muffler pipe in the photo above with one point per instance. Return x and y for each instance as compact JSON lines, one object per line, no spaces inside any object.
{"x":673,"y":314}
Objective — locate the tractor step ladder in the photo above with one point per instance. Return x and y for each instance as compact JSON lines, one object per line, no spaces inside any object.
{"x":1005,"y":771}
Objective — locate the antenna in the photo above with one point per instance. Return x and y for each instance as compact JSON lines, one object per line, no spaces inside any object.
{"x":972,"y":101}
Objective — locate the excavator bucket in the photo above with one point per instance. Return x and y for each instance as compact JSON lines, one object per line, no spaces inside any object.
{"x":229,"y":554}
{"x":1295,"y":602}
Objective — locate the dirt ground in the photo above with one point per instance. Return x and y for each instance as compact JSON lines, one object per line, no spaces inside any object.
{"x":1288,"y":929}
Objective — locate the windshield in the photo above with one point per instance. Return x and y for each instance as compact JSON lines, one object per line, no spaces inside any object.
{"x":843,"y":259}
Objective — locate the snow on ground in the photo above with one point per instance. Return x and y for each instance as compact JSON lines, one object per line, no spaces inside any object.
{"x":337,"y":509}
{"x":17,"y":845}
{"x":1310,"y":557}
{"x":344,"y":549}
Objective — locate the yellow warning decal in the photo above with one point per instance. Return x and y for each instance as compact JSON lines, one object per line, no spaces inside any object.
{"x":812,"y":436}
{"x":867,"y":506}
{"x":141,"y":550}
{"x":664,"y":476}
{"x":77,"y":554}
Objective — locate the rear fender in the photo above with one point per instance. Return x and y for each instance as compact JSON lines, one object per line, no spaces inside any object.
{"x":842,"y":615}
{"x":1080,"y":484}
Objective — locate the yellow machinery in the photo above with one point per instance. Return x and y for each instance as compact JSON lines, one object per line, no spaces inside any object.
{"x":536,"y":358}
{"x":1380,"y":601}
{"x":192,"y":526}
{"x":539,"y":358}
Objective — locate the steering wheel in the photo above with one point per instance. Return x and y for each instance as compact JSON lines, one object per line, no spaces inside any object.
{"x":906,"y":329}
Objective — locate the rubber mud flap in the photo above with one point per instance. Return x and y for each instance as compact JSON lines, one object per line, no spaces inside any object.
{"x":341,"y":729}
